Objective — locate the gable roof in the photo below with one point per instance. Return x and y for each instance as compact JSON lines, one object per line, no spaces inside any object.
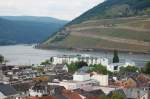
{"x":7,"y":90}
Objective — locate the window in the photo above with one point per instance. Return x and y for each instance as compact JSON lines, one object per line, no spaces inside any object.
{"x":115,"y":67}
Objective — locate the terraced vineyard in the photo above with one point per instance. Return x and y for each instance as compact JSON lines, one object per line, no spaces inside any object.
{"x":97,"y":29}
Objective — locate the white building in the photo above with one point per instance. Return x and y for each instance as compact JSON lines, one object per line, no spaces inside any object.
{"x":83,"y":80}
{"x":39,"y":91}
{"x":81,"y":77}
{"x":7,"y":91}
{"x":102,"y":79}
{"x":75,"y":58}
{"x":115,"y":67}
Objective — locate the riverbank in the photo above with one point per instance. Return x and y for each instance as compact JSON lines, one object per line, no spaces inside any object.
{"x":28,"y":55}
{"x":90,"y":49}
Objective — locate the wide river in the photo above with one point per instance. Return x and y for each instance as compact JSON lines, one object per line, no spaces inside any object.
{"x":27,"y":55}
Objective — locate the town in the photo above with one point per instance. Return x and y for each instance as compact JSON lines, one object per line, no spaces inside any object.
{"x":76,"y":77}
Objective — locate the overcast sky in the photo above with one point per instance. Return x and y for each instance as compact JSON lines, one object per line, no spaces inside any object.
{"x":62,"y":9}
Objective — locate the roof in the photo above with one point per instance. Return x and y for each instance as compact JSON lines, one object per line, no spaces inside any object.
{"x":47,"y":97}
{"x":133,"y":92}
{"x":119,"y":91}
{"x":59,"y":67}
{"x":88,"y":93}
{"x":59,"y":96}
{"x":7,"y":90}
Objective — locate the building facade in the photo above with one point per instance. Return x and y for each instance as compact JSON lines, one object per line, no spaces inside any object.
{"x":76,"y":58}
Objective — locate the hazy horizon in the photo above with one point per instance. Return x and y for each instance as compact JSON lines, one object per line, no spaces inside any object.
{"x":64,"y":9}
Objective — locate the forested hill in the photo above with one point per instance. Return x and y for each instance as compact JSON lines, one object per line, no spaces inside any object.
{"x":114,"y":9}
{"x":27,"y":29}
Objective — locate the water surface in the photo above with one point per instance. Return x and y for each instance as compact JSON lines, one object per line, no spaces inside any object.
{"x":27,"y":55}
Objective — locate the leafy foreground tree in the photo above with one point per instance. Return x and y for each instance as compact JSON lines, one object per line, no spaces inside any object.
{"x":1,"y":59}
{"x":147,"y":68}
{"x":116,"y":57}
{"x":116,"y":96}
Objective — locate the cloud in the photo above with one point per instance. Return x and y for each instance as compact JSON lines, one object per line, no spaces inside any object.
{"x":63,"y":9}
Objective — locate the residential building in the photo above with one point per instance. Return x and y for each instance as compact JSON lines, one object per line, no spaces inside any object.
{"x":81,"y":80}
{"x":76,"y":58}
{"x":115,"y":67}
{"x":7,"y":92}
{"x":131,"y":93}
{"x":129,"y":83}
{"x":38,"y":89}
{"x":60,"y":68}
{"x":81,"y":76}
{"x":102,"y":79}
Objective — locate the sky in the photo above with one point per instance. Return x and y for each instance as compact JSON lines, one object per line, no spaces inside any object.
{"x":62,"y":9}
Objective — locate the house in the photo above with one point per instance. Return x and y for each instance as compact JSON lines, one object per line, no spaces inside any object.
{"x":129,"y":83}
{"x":115,"y":67}
{"x":81,"y":80}
{"x":102,"y":79}
{"x":7,"y":91}
{"x":60,"y":68}
{"x":93,"y":92}
{"x":73,"y":95}
{"x":143,"y":80}
{"x":57,"y":92}
{"x":81,"y":76}
{"x":131,"y":93}
{"x":39,"y":89}
{"x":71,"y":85}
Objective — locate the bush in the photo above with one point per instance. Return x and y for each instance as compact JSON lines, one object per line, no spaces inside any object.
{"x":147,"y":68}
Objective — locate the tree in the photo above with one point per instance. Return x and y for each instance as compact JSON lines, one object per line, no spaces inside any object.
{"x":1,"y":59}
{"x":116,"y":96}
{"x":99,"y":69}
{"x":129,"y":69}
{"x":147,"y":68}
{"x":51,"y":59}
{"x":72,"y":67}
{"x":75,"y":66}
{"x":116,"y":57}
{"x":80,"y":64}
{"x":46,"y":62}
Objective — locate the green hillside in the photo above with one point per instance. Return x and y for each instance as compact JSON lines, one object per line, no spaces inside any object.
{"x":20,"y":29}
{"x":115,"y":24}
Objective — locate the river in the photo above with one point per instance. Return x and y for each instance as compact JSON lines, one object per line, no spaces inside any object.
{"x":27,"y":55}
